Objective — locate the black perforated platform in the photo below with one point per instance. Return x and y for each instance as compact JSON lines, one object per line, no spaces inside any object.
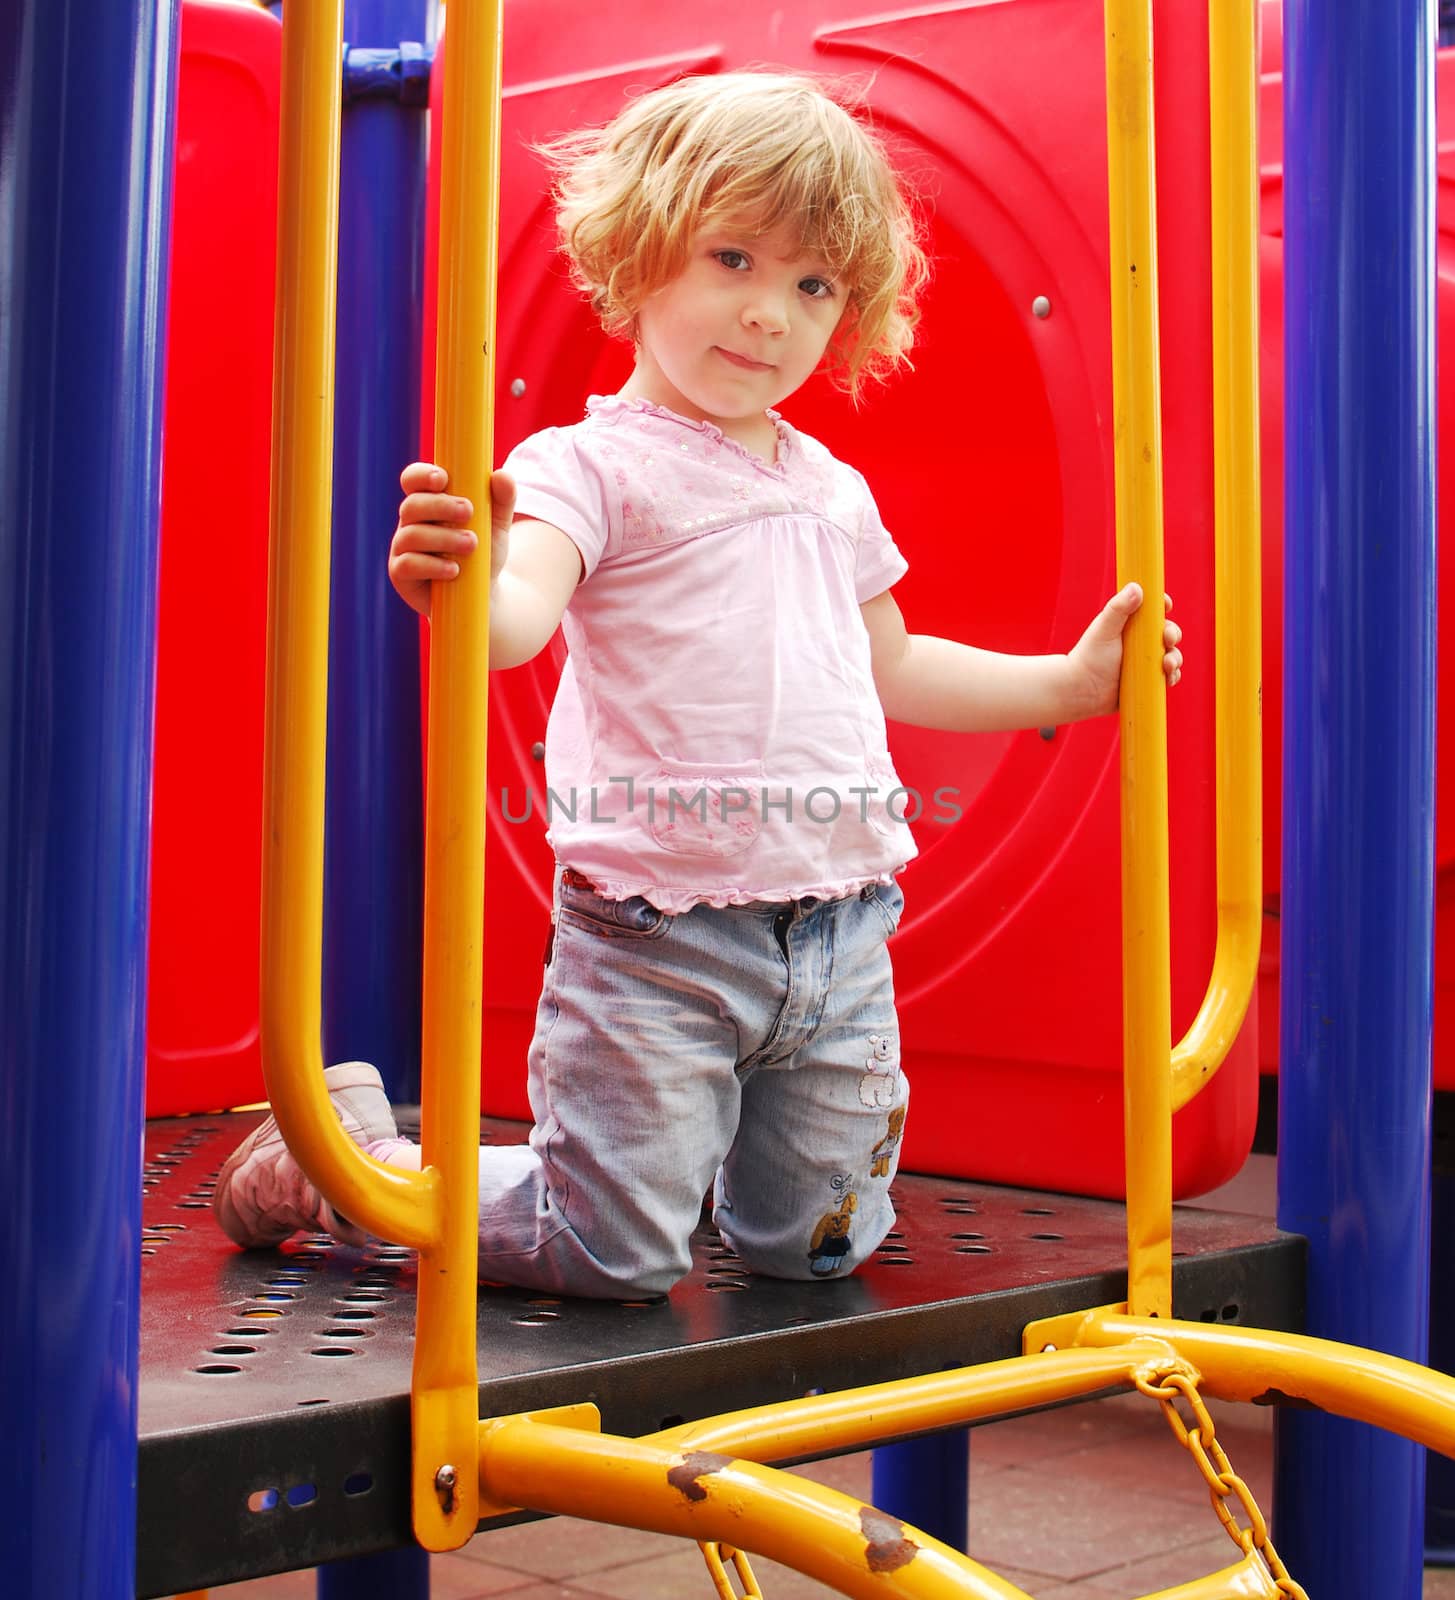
{"x":274,"y":1419}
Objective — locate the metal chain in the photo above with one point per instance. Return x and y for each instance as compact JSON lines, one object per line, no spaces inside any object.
{"x":717,"y":1557}
{"x":1224,"y":1485}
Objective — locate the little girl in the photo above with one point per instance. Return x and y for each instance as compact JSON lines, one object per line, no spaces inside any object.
{"x":718,"y":1008}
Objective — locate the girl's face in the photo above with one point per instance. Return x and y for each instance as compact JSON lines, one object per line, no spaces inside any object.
{"x":739,"y":329}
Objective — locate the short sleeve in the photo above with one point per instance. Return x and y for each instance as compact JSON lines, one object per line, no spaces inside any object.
{"x":878,"y":564}
{"x":557,"y":481}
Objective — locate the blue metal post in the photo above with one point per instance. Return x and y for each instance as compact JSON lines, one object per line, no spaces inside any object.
{"x":374,"y":866}
{"x":1440,"y":1470}
{"x":1358,"y":771}
{"x":374,"y":873}
{"x":927,"y":1482}
{"x":87,"y":89}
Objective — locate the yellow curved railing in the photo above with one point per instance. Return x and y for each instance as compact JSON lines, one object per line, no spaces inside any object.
{"x":399,"y":1205}
{"x":434,"y":1210}
{"x":1233,"y":76}
{"x":684,"y":1480}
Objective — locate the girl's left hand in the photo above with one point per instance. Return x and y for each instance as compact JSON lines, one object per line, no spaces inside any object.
{"x":1098,"y":653}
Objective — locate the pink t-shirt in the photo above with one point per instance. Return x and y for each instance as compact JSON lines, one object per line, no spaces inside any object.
{"x":716,"y":735}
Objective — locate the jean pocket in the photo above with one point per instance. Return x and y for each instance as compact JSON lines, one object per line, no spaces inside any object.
{"x":706,"y":811}
{"x":633,"y":918}
{"x":888,"y":900}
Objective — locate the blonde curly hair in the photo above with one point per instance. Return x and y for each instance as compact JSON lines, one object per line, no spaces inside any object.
{"x":772,"y":149}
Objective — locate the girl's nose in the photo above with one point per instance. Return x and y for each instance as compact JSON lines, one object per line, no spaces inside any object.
{"x":768,"y":312}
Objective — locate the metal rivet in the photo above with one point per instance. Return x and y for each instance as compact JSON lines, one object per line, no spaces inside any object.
{"x":538,"y":751}
{"x":444,"y":1486}
{"x":517,"y":387}
{"x":1041,"y":305}
{"x":1048,"y":734}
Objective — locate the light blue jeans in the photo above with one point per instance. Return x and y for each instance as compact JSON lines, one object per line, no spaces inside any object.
{"x":753,"y":1049}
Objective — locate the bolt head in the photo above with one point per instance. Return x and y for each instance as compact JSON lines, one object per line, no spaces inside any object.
{"x":1041,"y":306}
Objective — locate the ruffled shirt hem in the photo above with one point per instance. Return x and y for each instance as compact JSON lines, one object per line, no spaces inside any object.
{"x":674,"y":901}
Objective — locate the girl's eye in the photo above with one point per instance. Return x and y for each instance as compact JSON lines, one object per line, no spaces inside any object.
{"x":734,"y":260}
{"x":816,"y":288}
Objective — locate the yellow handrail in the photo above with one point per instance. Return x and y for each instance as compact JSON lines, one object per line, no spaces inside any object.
{"x":1146,"y":980}
{"x":445,"y":1388}
{"x":403,"y":1206}
{"x":1158,"y":1079}
{"x":1233,"y":71}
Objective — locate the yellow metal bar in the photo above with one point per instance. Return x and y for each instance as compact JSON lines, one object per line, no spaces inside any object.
{"x":1233,"y":70}
{"x":853,"y":1418}
{"x":1146,"y":972}
{"x":1265,"y":1368}
{"x":702,"y":1495}
{"x":445,"y":1386}
{"x":399,"y":1205}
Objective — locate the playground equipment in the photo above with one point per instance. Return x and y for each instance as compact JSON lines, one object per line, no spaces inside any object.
{"x":681,"y":1481}
{"x":556,"y":1461}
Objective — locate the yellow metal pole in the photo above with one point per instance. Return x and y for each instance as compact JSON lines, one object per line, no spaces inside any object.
{"x":399,"y":1205}
{"x":705,"y":1496}
{"x":1146,"y":973}
{"x":1233,"y":71}
{"x":445,"y":1387}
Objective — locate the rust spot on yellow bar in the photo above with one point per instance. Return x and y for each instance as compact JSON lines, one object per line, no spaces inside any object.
{"x":889,"y":1549}
{"x":1276,"y":1397}
{"x":695,"y":1465}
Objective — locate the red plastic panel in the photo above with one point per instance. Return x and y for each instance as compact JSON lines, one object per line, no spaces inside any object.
{"x":993,"y":468}
{"x":202,"y":1005}
{"x":1271,"y":141}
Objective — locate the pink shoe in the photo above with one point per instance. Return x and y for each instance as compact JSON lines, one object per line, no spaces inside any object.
{"x":262,"y":1196}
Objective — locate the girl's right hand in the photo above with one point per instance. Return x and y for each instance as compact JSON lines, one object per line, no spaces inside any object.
{"x":433,"y":535}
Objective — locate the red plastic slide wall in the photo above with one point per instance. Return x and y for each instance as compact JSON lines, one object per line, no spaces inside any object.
{"x":202,"y":995}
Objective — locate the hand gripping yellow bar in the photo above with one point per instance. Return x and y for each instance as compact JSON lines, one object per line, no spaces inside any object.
{"x":399,"y":1205}
{"x":433,"y":1210}
{"x":1158,"y":1080}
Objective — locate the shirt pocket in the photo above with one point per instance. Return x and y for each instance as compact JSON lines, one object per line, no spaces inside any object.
{"x":883,"y":784}
{"x":706,"y":811}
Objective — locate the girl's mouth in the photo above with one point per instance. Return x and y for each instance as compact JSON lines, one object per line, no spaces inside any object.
{"x":745,"y":362}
